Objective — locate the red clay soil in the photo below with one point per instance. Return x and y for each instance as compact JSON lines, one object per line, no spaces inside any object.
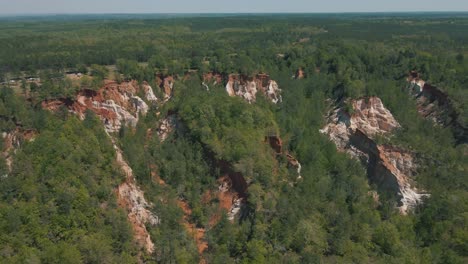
{"x":213,"y":77}
{"x":164,"y":82}
{"x":155,"y":176}
{"x":54,"y":105}
{"x":276,"y":143}
{"x":226,"y":198}
{"x":198,"y":234}
{"x":84,"y":98}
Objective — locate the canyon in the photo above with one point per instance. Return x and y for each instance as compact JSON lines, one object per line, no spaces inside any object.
{"x":391,"y":168}
{"x":117,"y":105}
{"x":354,"y":130}
{"x":246,"y":87}
{"x":435,"y":105}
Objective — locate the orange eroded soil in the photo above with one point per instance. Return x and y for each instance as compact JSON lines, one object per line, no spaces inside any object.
{"x":198,"y":234}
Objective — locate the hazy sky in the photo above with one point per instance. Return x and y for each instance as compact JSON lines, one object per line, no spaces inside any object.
{"x":224,"y":6}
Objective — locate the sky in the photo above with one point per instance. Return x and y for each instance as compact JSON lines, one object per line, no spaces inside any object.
{"x":12,"y":7}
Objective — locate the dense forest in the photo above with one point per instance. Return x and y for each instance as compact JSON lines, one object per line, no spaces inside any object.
{"x":60,"y":171}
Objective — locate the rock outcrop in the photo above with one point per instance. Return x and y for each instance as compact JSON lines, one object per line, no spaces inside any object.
{"x":12,"y":141}
{"x":246,"y":87}
{"x":435,"y":105}
{"x":131,"y":197}
{"x":229,"y":199}
{"x":149,"y":93}
{"x":276,"y":144}
{"x":167,"y":126}
{"x":166,"y":83}
{"x":115,"y":104}
{"x":232,"y":189}
{"x":390,"y":168}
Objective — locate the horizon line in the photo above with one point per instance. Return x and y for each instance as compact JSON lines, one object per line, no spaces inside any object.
{"x":228,"y":13}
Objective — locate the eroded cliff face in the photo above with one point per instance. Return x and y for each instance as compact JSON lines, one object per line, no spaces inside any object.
{"x":12,"y":141}
{"x":276,"y":144}
{"x":167,"y":126}
{"x":131,"y":197}
{"x":232,"y":186}
{"x":245,"y":87}
{"x":435,"y":105}
{"x":118,"y":105}
{"x":115,"y":104}
{"x":389,"y":167}
{"x":166,"y":83}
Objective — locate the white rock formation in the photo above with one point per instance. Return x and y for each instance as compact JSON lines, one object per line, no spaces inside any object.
{"x":273,"y":92}
{"x":235,"y":208}
{"x":391,"y":167}
{"x":123,"y":117}
{"x":140,"y":105}
{"x":10,"y":143}
{"x":230,"y":88}
{"x":149,"y":93}
{"x":166,"y":126}
{"x":372,"y":117}
{"x":131,"y":197}
{"x":249,"y":89}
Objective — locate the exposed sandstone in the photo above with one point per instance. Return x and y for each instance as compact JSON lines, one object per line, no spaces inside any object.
{"x":166,"y":126}
{"x":372,"y":117}
{"x":435,"y":105}
{"x":229,"y":199}
{"x":115,"y":104}
{"x":114,"y":115}
{"x":276,"y":144}
{"x":166,"y":83}
{"x":246,"y":87}
{"x":131,"y":197}
{"x":149,"y":93}
{"x":12,"y":141}
{"x":391,"y":168}
{"x":401,"y":163}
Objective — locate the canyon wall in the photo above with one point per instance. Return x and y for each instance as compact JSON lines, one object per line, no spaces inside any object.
{"x":389,"y":167}
{"x":117,"y":104}
{"x":434,"y":104}
{"x":244,"y":86}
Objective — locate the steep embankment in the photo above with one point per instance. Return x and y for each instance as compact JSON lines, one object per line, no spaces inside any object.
{"x":277,"y":145}
{"x":12,"y":141}
{"x":169,"y":125}
{"x":232,"y":188}
{"x":244,"y":86}
{"x":117,"y":105}
{"x":131,"y":197}
{"x":389,"y":167}
{"x":434,"y":104}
